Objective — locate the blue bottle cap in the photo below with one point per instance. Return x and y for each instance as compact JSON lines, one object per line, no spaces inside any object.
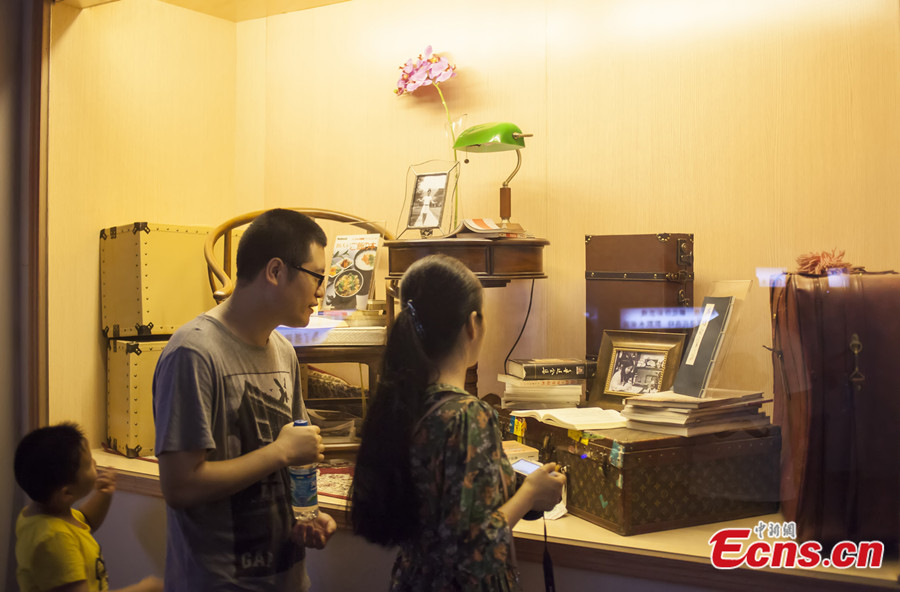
{"x":301,"y":422}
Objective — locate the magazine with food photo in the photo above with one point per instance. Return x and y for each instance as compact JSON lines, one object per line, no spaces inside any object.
{"x":350,"y":271}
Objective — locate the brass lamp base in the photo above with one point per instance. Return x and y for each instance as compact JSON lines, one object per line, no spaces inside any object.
{"x":512,"y":227}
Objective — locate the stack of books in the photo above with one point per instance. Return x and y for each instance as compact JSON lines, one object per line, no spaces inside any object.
{"x":543,"y":383}
{"x":719,"y":410}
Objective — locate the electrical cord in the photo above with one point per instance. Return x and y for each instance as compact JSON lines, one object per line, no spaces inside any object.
{"x":524,"y":323}
{"x":549,"y":583}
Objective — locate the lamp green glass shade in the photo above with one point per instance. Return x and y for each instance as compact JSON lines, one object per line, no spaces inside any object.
{"x":490,"y":137}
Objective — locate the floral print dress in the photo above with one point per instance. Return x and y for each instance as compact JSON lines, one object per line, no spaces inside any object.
{"x":462,"y":478}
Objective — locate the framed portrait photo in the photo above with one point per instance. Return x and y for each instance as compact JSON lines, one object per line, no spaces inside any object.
{"x":635,"y":363}
{"x":427,"y":205}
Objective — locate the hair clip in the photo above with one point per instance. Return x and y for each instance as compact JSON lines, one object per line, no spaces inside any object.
{"x":415,"y":319}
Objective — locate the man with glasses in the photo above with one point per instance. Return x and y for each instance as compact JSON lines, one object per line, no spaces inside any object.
{"x":225,"y":393}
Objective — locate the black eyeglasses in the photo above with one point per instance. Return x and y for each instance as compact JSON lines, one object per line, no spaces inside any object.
{"x":319,"y":277}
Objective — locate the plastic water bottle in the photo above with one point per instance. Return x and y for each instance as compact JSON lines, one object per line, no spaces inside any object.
{"x":304,"y":492}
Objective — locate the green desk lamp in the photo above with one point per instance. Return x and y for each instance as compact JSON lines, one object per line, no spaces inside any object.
{"x":496,"y":137}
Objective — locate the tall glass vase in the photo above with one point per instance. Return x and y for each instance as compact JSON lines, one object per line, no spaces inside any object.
{"x":452,"y":129}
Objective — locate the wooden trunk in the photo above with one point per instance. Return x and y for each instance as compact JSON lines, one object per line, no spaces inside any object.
{"x":153,"y":278}
{"x":129,"y":395}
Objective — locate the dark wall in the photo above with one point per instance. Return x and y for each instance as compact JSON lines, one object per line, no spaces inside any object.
{"x":13,"y":34}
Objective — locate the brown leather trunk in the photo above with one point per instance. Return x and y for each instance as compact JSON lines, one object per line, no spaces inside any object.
{"x":634,"y":482}
{"x":636,"y":271}
{"x":836,"y":341}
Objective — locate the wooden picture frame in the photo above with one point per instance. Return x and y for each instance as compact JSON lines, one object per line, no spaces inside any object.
{"x":635,"y":362}
{"x":429,"y":195}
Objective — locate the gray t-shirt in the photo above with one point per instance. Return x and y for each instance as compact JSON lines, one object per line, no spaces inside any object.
{"x":214,"y":392}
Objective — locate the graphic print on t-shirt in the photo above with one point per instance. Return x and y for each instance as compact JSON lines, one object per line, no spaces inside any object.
{"x":100,"y":571}
{"x":258,"y":551}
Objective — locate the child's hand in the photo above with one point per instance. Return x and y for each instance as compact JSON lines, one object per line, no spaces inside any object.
{"x":106,"y":481}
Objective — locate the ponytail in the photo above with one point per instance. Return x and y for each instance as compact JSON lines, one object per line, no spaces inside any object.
{"x":383,"y":492}
{"x":438,"y":294}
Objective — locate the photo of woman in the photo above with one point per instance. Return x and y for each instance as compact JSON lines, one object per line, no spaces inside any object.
{"x":636,"y":372}
{"x":428,"y":201}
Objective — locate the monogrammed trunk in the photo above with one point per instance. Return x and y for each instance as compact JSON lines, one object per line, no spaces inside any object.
{"x":634,"y":482}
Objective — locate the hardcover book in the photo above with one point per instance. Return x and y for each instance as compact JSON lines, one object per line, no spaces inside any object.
{"x":546,"y":368}
{"x":702,"y":350}
{"x":515,"y":381}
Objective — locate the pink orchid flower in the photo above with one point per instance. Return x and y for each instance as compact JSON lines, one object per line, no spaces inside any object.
{"x":436,"y":68}
{"x":429,"y":70}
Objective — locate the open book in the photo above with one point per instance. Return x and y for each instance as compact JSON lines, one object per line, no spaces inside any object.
{"x":573,"y":418}
{"x":486,"y":228}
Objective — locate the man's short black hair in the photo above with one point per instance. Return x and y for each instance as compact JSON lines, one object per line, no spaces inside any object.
{"x":48,"y":459}
{"x":286,"y":234}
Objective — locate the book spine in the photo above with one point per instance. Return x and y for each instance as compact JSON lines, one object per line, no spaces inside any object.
{"x":515,"y":381}
{"x":550,"y":371}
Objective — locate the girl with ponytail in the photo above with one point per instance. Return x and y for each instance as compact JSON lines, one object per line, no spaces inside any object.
{"x":431,"y":476}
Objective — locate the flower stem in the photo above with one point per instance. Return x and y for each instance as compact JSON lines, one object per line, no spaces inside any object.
{"x":452,"y":142}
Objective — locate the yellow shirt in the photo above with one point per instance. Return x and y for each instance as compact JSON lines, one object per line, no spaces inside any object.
{"x":51,"y":552}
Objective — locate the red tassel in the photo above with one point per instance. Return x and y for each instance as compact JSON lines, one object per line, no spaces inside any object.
{"x":819,"y":263}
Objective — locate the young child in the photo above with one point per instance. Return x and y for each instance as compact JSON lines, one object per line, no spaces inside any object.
{"x":55,"y":550}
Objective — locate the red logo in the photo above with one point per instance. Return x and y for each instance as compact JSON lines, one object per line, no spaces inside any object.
{"x":729,"y":551}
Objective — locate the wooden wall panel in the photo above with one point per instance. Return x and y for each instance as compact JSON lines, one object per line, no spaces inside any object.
{"x":766,"y":129}
{"x":337,"y":135}
{"x":141,"y":127}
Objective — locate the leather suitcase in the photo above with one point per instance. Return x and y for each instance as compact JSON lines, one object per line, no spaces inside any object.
{"x":837,"y":398}
{"x":634,"y":482}
{"x":637,"y":271}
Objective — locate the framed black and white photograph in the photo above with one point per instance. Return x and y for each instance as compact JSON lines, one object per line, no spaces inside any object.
{"x":427,"y":205}
{"x":431,"y":205}
{"x":636,"y":363}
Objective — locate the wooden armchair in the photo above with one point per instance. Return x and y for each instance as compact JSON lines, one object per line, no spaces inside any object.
{"x":221,"y":273}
